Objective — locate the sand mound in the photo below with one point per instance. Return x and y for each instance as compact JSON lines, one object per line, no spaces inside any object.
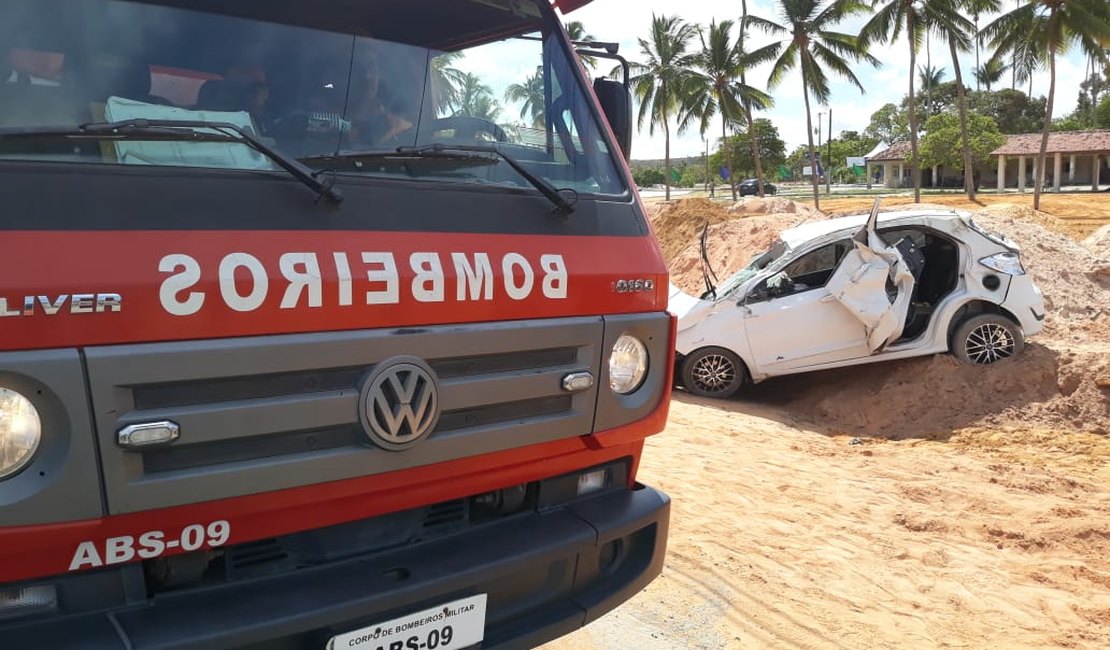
{"x":933,"y":396}
{"x":1099,"y":244}
{"x":731,"y":244}
{"x":678,"y":224}
{"x":768,"y":205}
{"x":1076,"y":294}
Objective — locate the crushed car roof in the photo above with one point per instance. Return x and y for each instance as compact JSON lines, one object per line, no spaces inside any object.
{"x":798,"y":235}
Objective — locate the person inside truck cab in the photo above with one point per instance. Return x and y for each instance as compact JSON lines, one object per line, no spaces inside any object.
{"x":377,"y":113}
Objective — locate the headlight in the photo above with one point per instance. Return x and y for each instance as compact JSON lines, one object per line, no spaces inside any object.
{"x":628,"y":364}
{"x":20,"y":432}
{"x":1008,"y":263}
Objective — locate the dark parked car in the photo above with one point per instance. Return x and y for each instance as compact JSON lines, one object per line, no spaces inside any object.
{"x":750,"y":186}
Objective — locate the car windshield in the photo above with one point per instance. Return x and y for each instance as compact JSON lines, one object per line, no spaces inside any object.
{"x":313,"y":80}
{"x":777,"y":251}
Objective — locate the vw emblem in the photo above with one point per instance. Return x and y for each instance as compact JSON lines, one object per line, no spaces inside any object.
{"x":399,"y":402}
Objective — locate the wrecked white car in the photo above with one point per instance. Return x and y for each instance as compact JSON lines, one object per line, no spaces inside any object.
{"x":857,"y":290}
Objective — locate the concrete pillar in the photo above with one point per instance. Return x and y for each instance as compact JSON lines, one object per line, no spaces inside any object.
{"x":901,"y":173}
{"x":1057,"y":171}
{"x":935,"y":170}
{"x":1095,"y":180}
{"x":888,"y":174}
{"x":867,"y":172}
{"x":1021,"y":173}
{"x":1001,"y":173}
{"x":1071,"y":169}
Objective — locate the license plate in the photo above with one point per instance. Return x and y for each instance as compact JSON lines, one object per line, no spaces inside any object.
{"x":457,"y":624}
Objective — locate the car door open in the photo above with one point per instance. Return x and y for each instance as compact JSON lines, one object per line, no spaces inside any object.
{"x":875,"y":284}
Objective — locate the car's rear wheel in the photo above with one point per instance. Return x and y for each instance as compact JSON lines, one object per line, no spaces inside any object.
{"x":987,"y":338}
{"x":713,"y":372}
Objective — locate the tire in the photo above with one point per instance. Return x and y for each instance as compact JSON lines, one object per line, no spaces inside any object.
{"x":714,"y":372}
{"x":987,"y":338}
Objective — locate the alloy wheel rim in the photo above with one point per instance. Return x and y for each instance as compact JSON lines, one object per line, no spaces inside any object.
{"x":714,"y":373}
{"x":988,"y":343}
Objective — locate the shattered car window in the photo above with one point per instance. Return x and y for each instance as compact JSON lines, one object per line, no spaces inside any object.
{"x":762,"y":261}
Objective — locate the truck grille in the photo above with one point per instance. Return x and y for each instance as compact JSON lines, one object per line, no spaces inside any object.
{"x":266,"y":413}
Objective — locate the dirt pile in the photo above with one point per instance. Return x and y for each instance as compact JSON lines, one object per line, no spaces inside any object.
{"x":678,"y":224}
{"x":931,"y":397}
{"x":731,"y":244}
{"x":1099,"y":245}
{"x":1076,"y":292}
{"x":768,"y":205}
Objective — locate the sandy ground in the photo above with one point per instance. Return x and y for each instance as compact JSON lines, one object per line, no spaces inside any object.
{"x":911,"y":504}
{"x":785,"y":536}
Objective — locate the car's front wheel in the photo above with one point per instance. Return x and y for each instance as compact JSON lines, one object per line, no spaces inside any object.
{"x":713,"y":372}
{"x":987,"y":338}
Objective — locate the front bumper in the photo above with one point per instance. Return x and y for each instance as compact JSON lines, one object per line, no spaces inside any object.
{"x":542,"y":574}
{"x":1024,"y":300}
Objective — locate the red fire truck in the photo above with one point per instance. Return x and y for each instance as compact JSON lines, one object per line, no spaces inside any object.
{"x":330,"y":324}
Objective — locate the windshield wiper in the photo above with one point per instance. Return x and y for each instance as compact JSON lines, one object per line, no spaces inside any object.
{"x":182,"y":130}
{"x":462,"y":152}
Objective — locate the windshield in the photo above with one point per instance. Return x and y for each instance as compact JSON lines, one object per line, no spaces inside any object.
{"x":311,"y":81}
{"x":757,"y":264}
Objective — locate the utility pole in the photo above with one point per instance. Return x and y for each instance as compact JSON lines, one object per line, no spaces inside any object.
{"x":708,"y":178}
{"x":813,"y":166}
{"x":828,"y":159}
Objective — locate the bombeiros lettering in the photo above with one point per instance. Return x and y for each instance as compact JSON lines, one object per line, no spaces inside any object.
{"x":53,"y":305}
{"x":310,"y":280}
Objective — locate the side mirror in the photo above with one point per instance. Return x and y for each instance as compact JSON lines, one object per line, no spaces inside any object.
{"x":616,"y":102}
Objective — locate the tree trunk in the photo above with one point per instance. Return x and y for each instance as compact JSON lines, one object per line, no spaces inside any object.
{"x":728,"y":152}
{"x":812,"y":152}
{"x":755,"y":150}
{"x":1038,"y":182}
{"x":969,"y":173}
{"x":928,"y":77}
{"x":977,"y":69}
{"x":666,"y":158}
{"x":748,"y":112}
{"x":913,"y":114}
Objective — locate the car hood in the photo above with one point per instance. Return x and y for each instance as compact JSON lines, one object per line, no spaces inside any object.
{"x":687,"y":308}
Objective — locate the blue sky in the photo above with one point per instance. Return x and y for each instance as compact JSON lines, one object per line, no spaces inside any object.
{"x":624,"y":21}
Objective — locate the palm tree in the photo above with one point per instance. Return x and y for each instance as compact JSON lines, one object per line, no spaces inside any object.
{"x":991,"y":72}
{"x":577,"y":32}
{"x":810,"y":42}
{"x":659,"y":80}
{"x":748,"y":106}
{"x":445,"y":81}
{"x":885,"y":26}
{"x":531,"y":96}
{"x":931,"y":76}
{"x":948,"y":19}
{"x":714,"y":87}
{"x":1050,"y":27}
{"x":475,"y":98}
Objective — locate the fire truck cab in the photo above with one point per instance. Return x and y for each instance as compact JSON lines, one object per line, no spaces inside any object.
{"x":330,"y":324}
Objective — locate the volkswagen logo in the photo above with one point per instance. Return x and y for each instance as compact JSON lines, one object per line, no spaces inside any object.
{"x":399,"y":402}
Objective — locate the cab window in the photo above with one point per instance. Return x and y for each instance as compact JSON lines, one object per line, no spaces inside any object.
{"x":312,"y":81}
